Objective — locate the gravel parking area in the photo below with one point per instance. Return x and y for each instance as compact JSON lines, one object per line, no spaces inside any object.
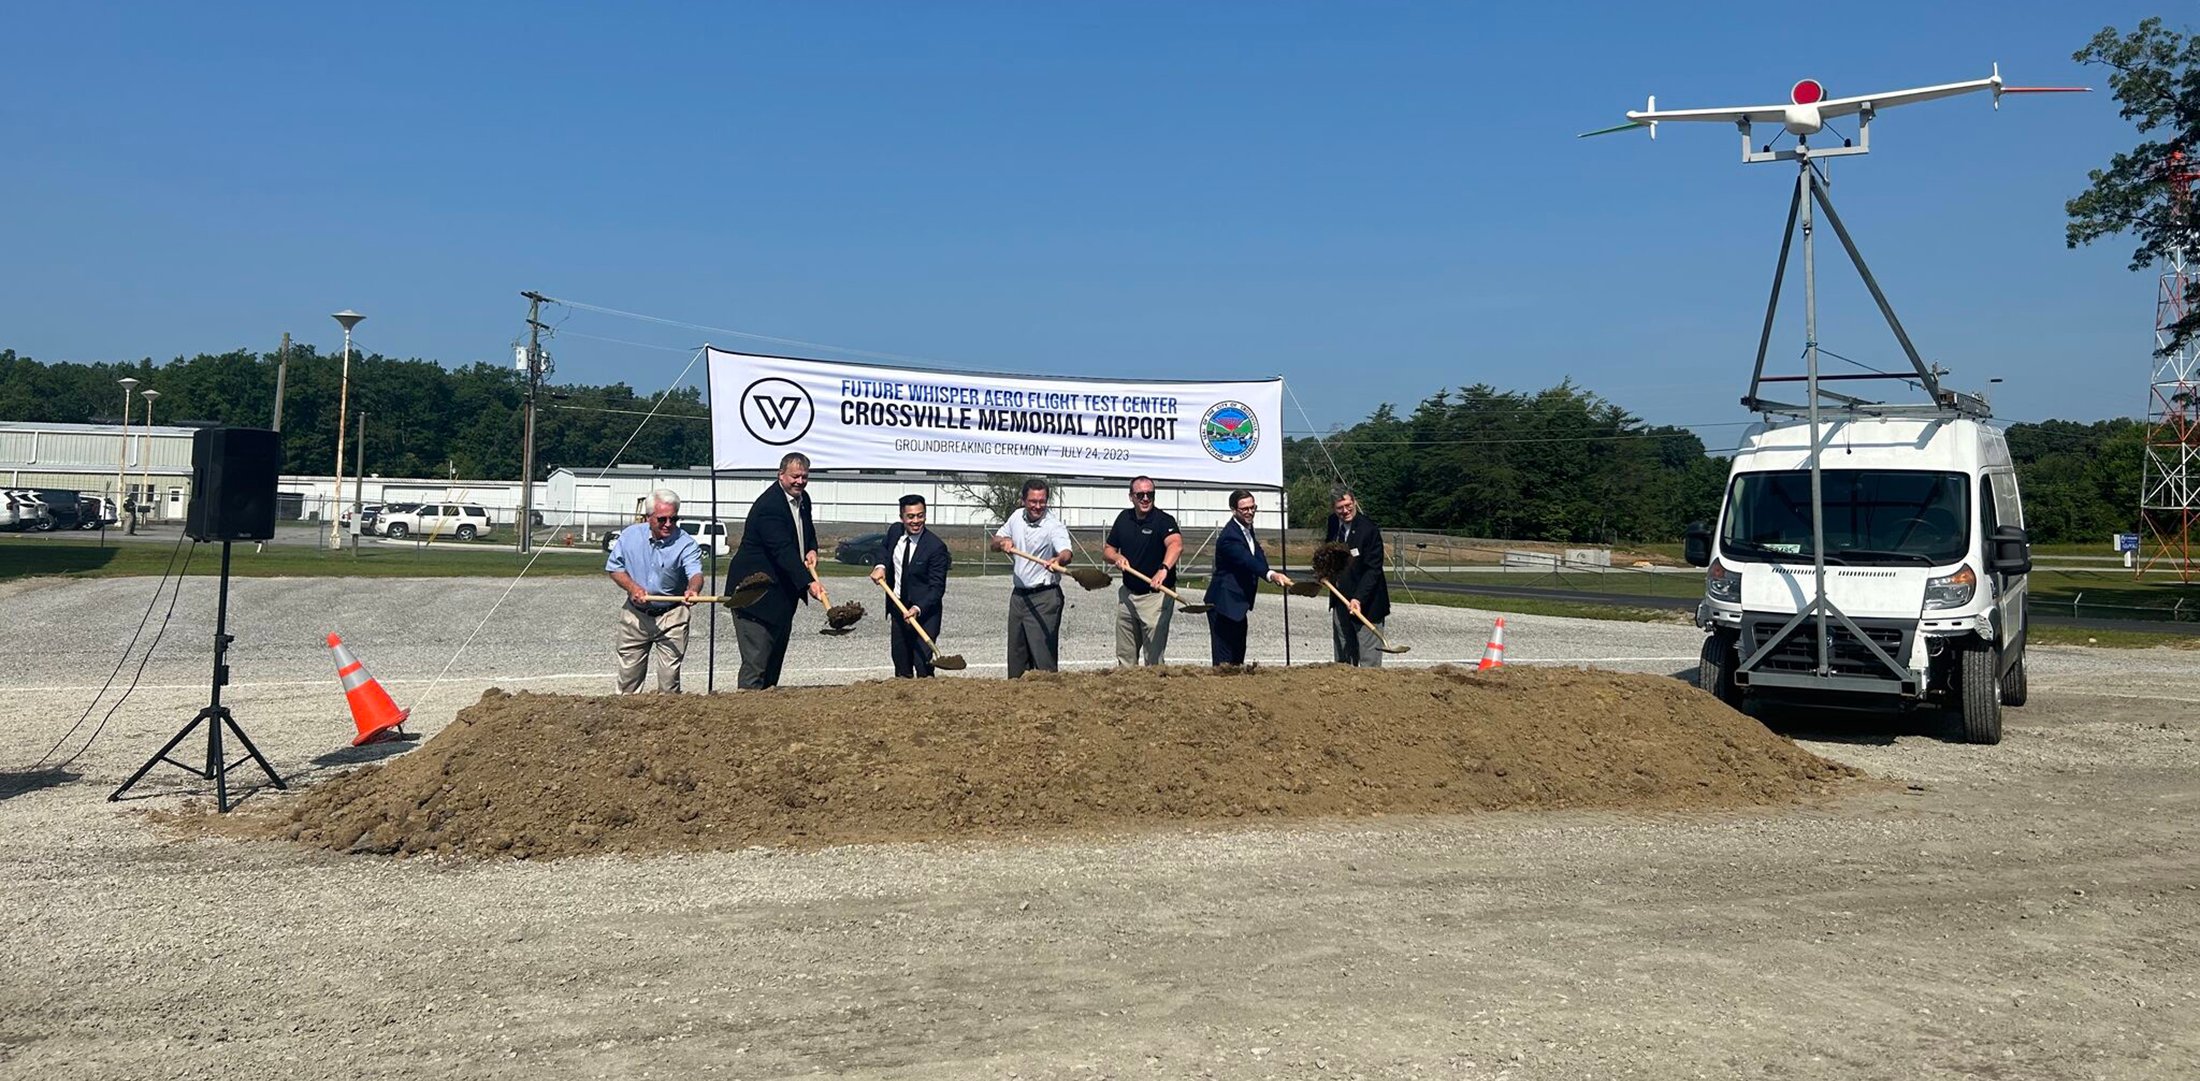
{"x":2030,"y":910}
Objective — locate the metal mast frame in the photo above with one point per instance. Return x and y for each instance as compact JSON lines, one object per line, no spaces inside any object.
{"x":1941,"y":403}
{"x":2169,"y":486}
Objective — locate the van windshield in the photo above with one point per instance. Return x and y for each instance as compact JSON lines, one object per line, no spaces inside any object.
{"x":1872,"y":516}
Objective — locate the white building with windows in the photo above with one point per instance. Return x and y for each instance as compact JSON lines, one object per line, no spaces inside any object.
{"x":151,"y":465}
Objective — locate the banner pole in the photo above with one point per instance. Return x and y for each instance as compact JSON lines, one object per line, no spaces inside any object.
{"x":710,"y":676}
{"x":1283,"y":549}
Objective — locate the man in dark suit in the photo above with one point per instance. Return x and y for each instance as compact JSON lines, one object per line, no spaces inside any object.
{"x":778,"y":541}
{"x":1366,"y":593}
{"x":1240,"y":566}
{"x":914,"y":563}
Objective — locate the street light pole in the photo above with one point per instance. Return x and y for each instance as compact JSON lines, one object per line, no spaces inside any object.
{"x":350,"y":319}
{"x":122,"y":463}
{"x":145,"y":447}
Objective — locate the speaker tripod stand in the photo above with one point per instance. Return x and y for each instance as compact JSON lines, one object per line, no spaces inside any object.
{"x":215,"y":717}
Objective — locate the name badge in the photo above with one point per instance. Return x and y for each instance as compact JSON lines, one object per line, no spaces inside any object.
{"x":1355,"y":553}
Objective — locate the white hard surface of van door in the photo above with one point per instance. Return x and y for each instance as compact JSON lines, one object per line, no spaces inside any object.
{"x":1998,"y":506}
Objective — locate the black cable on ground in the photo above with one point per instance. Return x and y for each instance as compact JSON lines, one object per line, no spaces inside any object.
{"x":168,"y":573}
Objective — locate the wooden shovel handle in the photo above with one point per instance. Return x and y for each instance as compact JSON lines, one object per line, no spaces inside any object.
{"x":910,"y":619}
{"x":1347,"y":601}
{"x":1015,"y":551}
{"x":1172,"y":594}
{"x":821,"y":595}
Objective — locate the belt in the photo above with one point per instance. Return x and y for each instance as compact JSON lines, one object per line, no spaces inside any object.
{"x":1025,"y":591}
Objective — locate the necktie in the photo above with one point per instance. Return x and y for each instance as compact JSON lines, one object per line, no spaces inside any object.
{"x":901,"y":562}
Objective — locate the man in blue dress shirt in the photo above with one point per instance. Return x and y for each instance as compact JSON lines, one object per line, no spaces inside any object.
{"x":655,"y":557}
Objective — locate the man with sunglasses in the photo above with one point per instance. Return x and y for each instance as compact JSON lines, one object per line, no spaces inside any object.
{"x":655,"y":557}
{"x":1145,"y":539}
{"x":779,"y":542}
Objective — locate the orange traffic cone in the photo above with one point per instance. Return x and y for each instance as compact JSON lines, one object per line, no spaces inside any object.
{"x":1494,"y":655}
{"x":372,"y":711}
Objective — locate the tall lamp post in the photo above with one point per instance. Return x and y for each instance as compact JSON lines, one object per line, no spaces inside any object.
{"x":145,"y":448}
{"x":350,"y":319}
{"x":122,"y":463}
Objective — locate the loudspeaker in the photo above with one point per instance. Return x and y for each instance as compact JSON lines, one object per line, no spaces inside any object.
{"x":233,"y":473}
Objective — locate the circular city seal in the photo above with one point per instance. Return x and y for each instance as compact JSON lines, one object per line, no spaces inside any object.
{"x":1229,"y":431}
{"x":777,"y":411}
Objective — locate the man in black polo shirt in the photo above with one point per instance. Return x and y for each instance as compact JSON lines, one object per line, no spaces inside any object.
{"x":1144,"y":539}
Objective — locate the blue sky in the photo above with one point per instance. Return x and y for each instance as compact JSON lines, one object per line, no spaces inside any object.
{"x":1374,"y":200}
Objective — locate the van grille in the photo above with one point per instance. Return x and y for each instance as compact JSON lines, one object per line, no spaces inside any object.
{"x":1798,"y":653}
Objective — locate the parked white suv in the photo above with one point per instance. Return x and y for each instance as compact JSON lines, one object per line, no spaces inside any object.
{"x":460,"y":521}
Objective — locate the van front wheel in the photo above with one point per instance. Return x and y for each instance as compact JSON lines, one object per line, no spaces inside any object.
{"x":1715,"y":669}
{"x":1978,"y":684}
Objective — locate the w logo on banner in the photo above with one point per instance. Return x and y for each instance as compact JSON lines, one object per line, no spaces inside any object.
{"x":777,"y":411}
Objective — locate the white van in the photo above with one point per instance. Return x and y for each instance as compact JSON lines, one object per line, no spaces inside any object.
{"x":1926,"y":559}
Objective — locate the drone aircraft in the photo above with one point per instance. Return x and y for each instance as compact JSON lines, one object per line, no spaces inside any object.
{"x":1808,"y":108}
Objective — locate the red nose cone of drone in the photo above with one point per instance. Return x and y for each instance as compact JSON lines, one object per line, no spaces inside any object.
{"x":1807,"y":92}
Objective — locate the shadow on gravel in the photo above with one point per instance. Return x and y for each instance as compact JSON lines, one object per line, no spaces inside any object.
{"x":15,"y":783}
{"x":359,"y":756}
{"x":1856,"y":726}
{"x":1859,"y":727}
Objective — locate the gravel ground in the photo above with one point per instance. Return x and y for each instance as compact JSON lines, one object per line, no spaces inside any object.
{"x":2030,"y":910}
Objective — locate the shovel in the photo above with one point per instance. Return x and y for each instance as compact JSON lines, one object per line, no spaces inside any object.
{"x":839,"y":618}
{"x":751,"y":590}
{"x":945,"y":662}
{"x":1088,"y":577}
{"x":1182,"y":605}
{"x":730,"y":600}
{"x":1380,"y":643}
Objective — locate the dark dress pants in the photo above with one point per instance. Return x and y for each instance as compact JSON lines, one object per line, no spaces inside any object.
{"x":911,"y":658}
{"x":1226,"y":637}
{"x":763,"y":649}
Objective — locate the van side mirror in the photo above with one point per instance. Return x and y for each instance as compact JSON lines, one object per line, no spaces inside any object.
{"x":2010,"y":551}
{"x":1696,"y":547}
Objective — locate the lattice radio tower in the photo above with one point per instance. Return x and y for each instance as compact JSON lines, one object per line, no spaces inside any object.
{"x":2169,"y":488}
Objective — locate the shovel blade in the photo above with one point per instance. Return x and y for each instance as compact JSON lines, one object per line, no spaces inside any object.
{"x":1090,"y":578}
{"x":948,"y":662}
{"x":1306,"y":589}
{"x":1396,"y":649}
{"x":742,"y":598}
{"x":1196,"y":609}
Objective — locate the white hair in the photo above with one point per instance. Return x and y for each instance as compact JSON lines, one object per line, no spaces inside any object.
{"x":666,"y":497}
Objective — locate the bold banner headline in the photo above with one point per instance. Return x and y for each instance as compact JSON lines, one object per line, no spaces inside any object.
{"x":848,"y":416}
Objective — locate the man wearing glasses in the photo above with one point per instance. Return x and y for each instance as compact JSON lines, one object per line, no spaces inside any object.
{"x":655,"y":557}
{"x":1240,"y":566}
{"x":1144,"y":539}
{"x":779,"y":542}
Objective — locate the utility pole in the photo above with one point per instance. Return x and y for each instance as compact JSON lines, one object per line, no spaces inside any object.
{"x":282,"y":370}
{"x":526,"y":522}
{"x":358,"y":484}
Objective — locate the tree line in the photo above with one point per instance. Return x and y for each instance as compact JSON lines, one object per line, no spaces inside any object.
{"x":1559,"y":464}
{"x":422,"y":419}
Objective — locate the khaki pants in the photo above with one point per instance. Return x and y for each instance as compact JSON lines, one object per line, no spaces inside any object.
{"x":1141,"y":626}
{"x":641,"y":634}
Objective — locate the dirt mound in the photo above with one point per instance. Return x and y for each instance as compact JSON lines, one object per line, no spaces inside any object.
{"x":534,"y":775}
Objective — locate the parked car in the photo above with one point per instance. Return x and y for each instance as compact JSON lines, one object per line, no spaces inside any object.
{"x":368,"y":512}
{"x":64,"y":509}
{"x":709,"y":536}
{"x":461,"y":521}
{"x":28,"y":511}
{"x":95,"y":511}
{"x":865,"y":550}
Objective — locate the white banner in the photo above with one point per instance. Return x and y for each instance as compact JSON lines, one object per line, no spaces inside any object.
{"x":854,"y":416}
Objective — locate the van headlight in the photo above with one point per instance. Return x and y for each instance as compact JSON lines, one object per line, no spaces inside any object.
{"x":1720,"y":583}
{"x":1951,"y":591}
